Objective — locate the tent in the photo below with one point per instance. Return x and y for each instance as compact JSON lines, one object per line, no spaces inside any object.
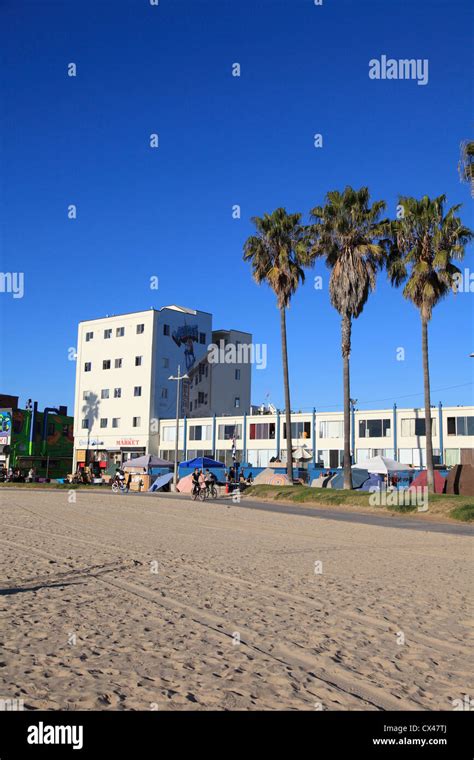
{"x":270,"y":478}
{"x":201,"y":462}
{"x":359,"y":477}
{"x":374,"y":481}
{"x":460,"y":480}
{"x":383,"y":465}
{"x":146,"y":462}
{"x":185,"y":485}
{"x":422,"y":480}
{"x":161,"y":481}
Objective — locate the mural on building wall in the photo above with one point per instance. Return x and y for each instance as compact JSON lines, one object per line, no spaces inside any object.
{"x":183,"y":341}
{"x":187,"y":336}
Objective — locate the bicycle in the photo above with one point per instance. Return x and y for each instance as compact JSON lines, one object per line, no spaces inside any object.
{"x":118,"y":487}
{"x":198,"y":493}
{"x":211,"y":491}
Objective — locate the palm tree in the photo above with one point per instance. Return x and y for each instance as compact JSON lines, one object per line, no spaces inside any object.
{"x":277,"y":253}
{"x":466,"y":163}
{"x":347,"y":232}
{"x":422,"y":245}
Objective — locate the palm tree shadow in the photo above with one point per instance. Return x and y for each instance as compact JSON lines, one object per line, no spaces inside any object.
{"x":90,"y":412}
{"x":20,"y":589}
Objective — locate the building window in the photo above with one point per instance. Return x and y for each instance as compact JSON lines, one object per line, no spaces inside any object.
{"x":85,"y":424}
{"x":164,"y":393}
{"x":202,"y":338}
{"x":416,"y":427}
{"x":103,"y":422}
{"x":107,"y":334}
{"x":117,"y":393}
{"x":237,"y":374}
{"x":237,"y":402}
{"x":331,"y":429}
{"x":118,"y":363}
{"x":260,"y":431}
{"x":374,"y":428}
{"x":201,"y":397}
{"x":137,"y":391}
{"x":166,"y":329}
{"x":106,"y":364}
{"x":460,"y":426}
{"x":115,"y":422}
{"x":120,"y":332}
{"x":136,"y":422}
{"x":89,"y":336}
{"x":140,"y":329}
{"x":166,"y":362}
{"x":227,"y":432}
{"x":87,"y":367}
{"x":104,"y":393}
{"x":298,"y":430}
{"x":200,"y":432}
{"x":138,"y":361}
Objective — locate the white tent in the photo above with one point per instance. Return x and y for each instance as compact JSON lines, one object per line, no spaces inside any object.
{"x":382,"y":465}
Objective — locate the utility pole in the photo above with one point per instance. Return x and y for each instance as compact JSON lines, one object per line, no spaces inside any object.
{"x":178,"y":379}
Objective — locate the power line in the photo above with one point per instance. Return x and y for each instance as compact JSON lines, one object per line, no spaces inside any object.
{"x":388,"y":398}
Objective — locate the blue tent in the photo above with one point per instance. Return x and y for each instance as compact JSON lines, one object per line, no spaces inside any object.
{"x":161,"y":481}
{"x":201,"y":462}
{"x":359,"y":476}
{"x":374,"y":481}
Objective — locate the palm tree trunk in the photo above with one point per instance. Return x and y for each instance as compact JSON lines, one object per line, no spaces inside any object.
{"x":346,"y":350}
{"x":286,"y":383}
{"x":428,"y":431}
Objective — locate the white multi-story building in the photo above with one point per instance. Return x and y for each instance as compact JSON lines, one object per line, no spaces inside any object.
{"x":259,"y":438}
{"x":123,"y":389}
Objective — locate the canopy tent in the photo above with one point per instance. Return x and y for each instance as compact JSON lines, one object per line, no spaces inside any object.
{"x":161,"y":481}
{"x":359,"y":476}
{"x":383,"y":465}
{"x":146,"y":462}
{"x":202,"y":462}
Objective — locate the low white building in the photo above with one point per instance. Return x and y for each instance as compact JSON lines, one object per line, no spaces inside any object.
{"x":123,"y":389}
{"x":397,"y":433}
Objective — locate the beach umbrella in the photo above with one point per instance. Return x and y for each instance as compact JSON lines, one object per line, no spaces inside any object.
{"x":301,"y":454}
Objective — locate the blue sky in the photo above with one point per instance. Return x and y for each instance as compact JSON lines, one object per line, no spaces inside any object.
{"x":223,"y":141}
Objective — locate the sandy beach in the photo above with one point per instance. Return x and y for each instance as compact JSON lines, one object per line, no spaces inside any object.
{"x":135,"y":603}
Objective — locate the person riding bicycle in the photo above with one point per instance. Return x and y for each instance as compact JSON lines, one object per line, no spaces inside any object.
{"x":208,"y":480}
{"x":195,"y":480}
{"x":120,"y":477}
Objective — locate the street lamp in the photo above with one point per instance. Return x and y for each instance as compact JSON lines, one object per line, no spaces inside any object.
{"x":178,"y":379}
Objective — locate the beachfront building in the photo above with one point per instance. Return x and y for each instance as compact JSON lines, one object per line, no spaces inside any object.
{"x":398,"y":433}
{"x":123,"y":389}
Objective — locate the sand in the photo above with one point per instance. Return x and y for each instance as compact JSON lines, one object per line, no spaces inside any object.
{"x":147,"y":603}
